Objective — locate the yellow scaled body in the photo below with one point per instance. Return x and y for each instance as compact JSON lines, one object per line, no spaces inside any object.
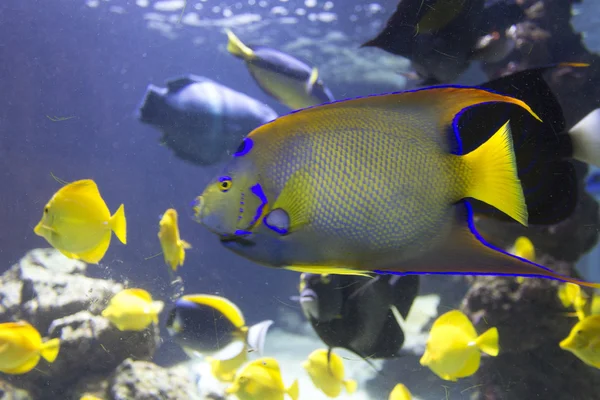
{"x":77,"y":222}
{"x":453,"y":347}
{"x":21,"y":347}
{"x":584,"y":341}
{"x":172,"y":246}
{"x":132,"y":310}
{"x":328,"y":374}
{"x":261,"y":380}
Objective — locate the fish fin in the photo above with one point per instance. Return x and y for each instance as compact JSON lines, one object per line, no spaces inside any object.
{"x":185,"y":244}
{"x":236,"y":47}
{"x":221,"y":304}
{"x":470,"y":366}
{"x":84,"y":187}
{"x":585,"y":136}
{"x":543,"y":150}
{"x":118,"y":223}
{"x":295,"y":200}
{"x":25,"y":367}
{"x":314,"y":76}
{"x":458,"y":319}
{"x":350,"y":385}
{"x":176,"y":84}
{"x":488,"y":342}
{"x":405,"y":290}
{"x":293,"y":390}
{"x":257,"y":334}
{"x":567,"y":293}
{"x":96,"y":254}
{"x":466,"y":252}
{"x":231,"y":350}
{"x":316,"y":269}
{"x":493,"y":175}
{"x":141,"y":293}
{"x":50,"y":350}
{"x":69,"y":254}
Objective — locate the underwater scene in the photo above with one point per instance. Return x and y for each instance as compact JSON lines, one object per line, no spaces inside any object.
{"x":300,"y":199}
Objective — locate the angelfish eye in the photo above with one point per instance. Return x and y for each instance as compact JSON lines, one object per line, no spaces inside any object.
{"x":224,"y":183}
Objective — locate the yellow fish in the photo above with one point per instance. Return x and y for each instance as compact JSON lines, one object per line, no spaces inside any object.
{"x":90,"y":397}
{"x":224,"y":370}
{"x":172,"y":246}
{"x":453,"y":348}
{"x":571,"y":295}
{"x":78,"y":223}
{"x":400,"y":392}
{"x":132,"y":310}
{"x":21,"y":347}
{"x":261,"y":380}
{"x":327,"y":373}
{"x":280,"y":75}
{"x":371,"y":185}
{"x":523,"y":248}
{"x":584,"y":341}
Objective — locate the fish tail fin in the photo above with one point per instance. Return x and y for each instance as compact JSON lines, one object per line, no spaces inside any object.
{"x":118,"y":224}
{"x":493,"y":175}
{"x":185,"y":244}
{"x":488,"y":342}
{"x":236,"y":47}
{"x":585,"y":136}
{"x":50,"y":350}
{"x":293,"y":390}
{"x":350,"y":385}
{"x":257,"y":334}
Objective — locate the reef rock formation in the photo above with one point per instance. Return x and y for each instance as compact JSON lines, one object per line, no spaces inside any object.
{"x":53,"y":293}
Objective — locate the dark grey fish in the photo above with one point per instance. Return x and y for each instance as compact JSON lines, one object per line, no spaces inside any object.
{"x":356,"y":313}
{"x":201,"y":120}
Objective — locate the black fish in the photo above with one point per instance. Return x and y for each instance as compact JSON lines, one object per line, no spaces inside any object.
{"x":440,"y":36}
{"x":356,"y":313}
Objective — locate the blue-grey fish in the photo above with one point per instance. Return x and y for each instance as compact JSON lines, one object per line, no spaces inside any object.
{"x":287,"y":79}
{"x":202,"y":120}
{"x":379,"y":184}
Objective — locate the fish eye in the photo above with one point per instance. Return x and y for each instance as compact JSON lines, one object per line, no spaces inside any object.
{"x":224,"y":183}
{"x":46,"y":210}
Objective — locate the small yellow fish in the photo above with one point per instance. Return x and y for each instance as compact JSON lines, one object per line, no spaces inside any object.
{"x":571,"y":295}
{"x":400,"y":392}
{"x":172,"y":246}
{"x":77,"y":222}
{"x":327,"y":373}
{"x":224,"y":370}
{"x":21,"y":347}
{"x":90,"y":397}
{"x":453,"y":348}
{"x":595,"y":307}
{"x":132,"y":310}
{"x":584,"y":341}
{"x":261,"y":380}
{"x":523,"y":248}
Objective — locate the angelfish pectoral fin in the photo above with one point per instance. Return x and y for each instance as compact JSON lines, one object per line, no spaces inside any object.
{"x":465,"y":252}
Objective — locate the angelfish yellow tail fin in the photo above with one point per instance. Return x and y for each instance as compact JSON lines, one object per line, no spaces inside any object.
{"x":493,"y":178}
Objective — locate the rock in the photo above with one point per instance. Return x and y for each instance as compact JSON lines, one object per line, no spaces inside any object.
{"x":45,"y":285}
{"x":140,"y":380}
{"x":91,"y":385}
{"x":9,"y":392}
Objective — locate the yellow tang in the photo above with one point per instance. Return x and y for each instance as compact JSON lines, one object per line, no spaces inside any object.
{"x":400,"y":392}
{"x":21,"y":347}
{"x":370,"y":185}
{"x":172,"y":246}
{"x":261,"y":380}
{"x":78,"y":223}
{"x":132,"y":310}
{"x":584,"y":341}
{"x":453,"y":347}
{"x":523,"y":248}
{"x":326,"y":370}
{"x":571,"y":295}
{"x":224,"y":370}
